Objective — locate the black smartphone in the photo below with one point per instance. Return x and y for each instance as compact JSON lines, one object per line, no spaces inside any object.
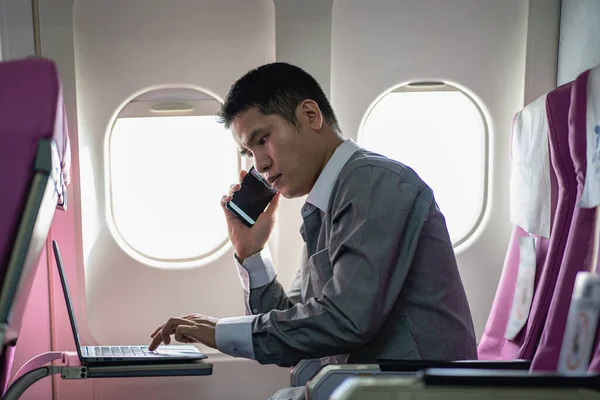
{"x":253,"y":197}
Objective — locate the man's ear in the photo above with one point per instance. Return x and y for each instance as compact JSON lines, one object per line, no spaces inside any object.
{"x":309,"y":112}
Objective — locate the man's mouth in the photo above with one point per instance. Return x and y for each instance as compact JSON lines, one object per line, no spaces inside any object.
{"x":274,"y":179}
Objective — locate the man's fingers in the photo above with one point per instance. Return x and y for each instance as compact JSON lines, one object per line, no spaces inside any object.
{"x":204,"y":320}
{"x":234,"y":188}
{"x":164,"y":334}
{"x":160,"y":327}
{"x":224,"y":200}
{"x":156,"y":331}
{"x":188,"y":334}
{"x":171,"y":326}
{"x":155,"y":342}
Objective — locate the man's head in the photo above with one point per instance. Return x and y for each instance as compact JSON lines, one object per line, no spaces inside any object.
{"x":280,"y":116}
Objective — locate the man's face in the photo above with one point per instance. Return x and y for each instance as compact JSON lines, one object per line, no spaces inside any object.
{"x":286,"y":155}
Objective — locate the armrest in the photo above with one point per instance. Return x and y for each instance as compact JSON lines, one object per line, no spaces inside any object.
{"x":418,"y":365}
{"x":303,"y":371}
{"x":455,"y":384}
{"x":328,"y":378}
{"x":479,"y":377}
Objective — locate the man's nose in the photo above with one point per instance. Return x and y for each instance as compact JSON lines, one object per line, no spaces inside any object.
{"x":261,"y":165}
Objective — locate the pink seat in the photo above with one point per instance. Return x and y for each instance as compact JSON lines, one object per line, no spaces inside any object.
{"x":579,"y":243}
{"x":34,"y":160}
{"x":557,"y":113}
{"x":549,"y":252}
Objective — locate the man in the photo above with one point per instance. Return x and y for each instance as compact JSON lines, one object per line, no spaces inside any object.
{"x":379,"y":278}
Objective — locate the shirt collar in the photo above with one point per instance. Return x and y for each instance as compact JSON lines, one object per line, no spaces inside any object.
{"x":321,"y":191}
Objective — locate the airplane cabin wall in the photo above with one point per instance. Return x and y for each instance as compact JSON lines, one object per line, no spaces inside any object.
{"x":16,"y":29}
{"x":542,"y":48}
{"x":357,"y":52}
{"x":579,"y":44}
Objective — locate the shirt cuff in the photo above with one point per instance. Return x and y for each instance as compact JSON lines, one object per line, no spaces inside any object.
{"x":234,"y":336}
{"x":257,"y":270}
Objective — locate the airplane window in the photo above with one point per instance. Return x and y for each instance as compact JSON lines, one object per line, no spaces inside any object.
{"x":440,"y":132}
{"x":168,"y":170}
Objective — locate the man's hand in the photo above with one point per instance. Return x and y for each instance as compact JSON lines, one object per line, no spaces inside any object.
{"x":249,"y":241}
{"x":192,"y":328}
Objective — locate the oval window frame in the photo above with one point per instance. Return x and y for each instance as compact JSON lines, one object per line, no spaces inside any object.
{"x":142,"y":103}
{"x":424,"y":85}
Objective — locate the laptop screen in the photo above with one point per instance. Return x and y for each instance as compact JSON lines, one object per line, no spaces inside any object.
{"x":70,"y":311}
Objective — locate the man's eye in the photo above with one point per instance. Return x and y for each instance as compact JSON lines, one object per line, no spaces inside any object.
{"x":263,"y":140}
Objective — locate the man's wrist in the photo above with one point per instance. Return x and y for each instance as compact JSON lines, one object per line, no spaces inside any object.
{"x":257,"y":269}
{"x":240,"y":259}
{"x":243,"y":257}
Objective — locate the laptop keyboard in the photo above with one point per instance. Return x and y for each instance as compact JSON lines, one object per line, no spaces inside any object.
{"x":114,"y":351}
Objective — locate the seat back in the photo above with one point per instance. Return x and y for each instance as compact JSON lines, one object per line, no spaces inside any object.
{"x":557,"y":113}
{"x":494,"y":344}
{"x":34,"y":160}
{"x":593,"y":132}
{"x":577,"y":256}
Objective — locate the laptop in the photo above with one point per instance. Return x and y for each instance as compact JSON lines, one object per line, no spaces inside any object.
{"x":118,"y":355}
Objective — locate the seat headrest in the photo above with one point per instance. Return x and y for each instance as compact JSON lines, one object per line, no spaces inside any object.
{"x":530,"y":182}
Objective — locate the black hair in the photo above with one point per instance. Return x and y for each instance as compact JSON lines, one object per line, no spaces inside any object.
{"x":275,"y":88}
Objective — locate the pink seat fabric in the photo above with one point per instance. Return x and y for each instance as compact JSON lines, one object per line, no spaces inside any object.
{"x":549,"y":252}
{"x":493,"y":344}
{"x":578,"y":249}
{"x":31,"y":110}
